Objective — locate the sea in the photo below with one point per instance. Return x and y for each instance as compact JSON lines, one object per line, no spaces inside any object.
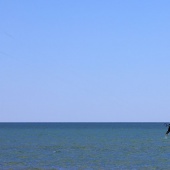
{"x":84,"y":146}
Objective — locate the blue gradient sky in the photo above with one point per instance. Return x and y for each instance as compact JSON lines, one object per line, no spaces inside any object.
{"x":85,"y":61}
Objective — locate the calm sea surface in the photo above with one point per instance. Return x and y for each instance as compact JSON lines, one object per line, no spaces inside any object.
{"x":76,"y":146}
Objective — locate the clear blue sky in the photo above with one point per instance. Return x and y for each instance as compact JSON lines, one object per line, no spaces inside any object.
{"x":84,"y":61}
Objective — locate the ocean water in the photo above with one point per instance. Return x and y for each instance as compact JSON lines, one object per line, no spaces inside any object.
{"x":78,"y":146}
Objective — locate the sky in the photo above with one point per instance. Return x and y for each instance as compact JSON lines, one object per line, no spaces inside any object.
{"x":84,"y":61}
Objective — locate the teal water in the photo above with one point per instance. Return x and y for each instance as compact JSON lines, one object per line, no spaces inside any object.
{"x":75,"y":146}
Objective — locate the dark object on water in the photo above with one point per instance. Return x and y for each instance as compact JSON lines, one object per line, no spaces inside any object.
{"x":167,"y":125}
